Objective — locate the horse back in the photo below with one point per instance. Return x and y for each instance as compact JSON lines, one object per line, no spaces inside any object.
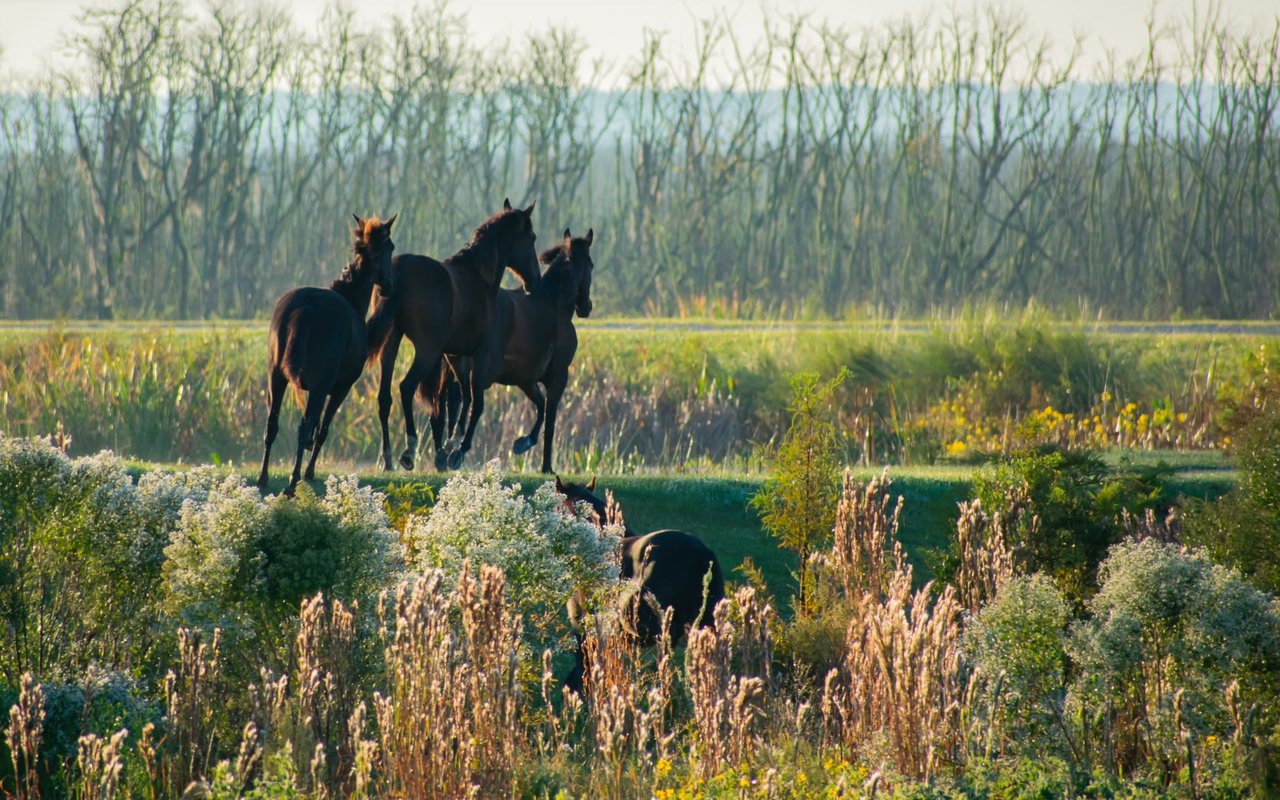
{"x":316,"y":338}
{"x":678,"y":570}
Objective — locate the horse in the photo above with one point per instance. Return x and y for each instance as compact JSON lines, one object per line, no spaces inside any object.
{"x":318,"y":343}
{"x":447,"y":308}
{"x":539,"y":343}
{"x":669,"y":570}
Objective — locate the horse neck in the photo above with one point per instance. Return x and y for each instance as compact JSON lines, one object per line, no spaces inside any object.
{"x":482,"y":258}
{"x":555,"y":289}
{"x":356,"y":288}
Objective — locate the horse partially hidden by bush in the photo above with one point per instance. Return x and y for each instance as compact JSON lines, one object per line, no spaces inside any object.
{"x":539,"y":343}
{"x":317,"y":343}
{"x":449,"y":308}
{"x":668,"y":570}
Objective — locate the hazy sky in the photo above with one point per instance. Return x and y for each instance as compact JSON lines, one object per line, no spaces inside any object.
{"x":31,"y":29}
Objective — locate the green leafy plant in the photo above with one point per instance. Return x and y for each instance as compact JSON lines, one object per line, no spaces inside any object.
{"x":797,"y":504}
{"x":1073,"y":506}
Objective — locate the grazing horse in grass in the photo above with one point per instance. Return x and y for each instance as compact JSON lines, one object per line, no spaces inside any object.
{"x":539,"y":343}
{"x":317,"y":343}
{"x":449,"y":308}
{"x":668,"y":569}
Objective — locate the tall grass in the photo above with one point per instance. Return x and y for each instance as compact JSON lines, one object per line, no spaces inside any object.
{"x":670,"y":398}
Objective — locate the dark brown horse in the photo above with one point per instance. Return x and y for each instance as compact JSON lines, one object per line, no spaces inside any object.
{"x":447,"y":308}
{"x":317,"y":343}
{"x":539,"y":343}
{"x":670,"y":570}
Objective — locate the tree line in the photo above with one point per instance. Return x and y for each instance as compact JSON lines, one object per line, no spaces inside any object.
{"x":183,"y":166}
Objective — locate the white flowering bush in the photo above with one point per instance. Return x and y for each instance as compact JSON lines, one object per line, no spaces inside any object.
{"x":545,"y":549}
{"x":81,"y":548}
{"x":1169,"y":631}
{"x":1017,"y":644}
{"x":243,"y":563}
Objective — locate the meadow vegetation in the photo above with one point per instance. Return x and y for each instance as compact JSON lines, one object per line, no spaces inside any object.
{"x":176,"y":628}
{"x":677,"y":399}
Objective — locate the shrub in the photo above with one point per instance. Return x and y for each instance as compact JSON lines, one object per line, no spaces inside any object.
{"x":244,"y":564}
{"x":1242,"y":529}
{"x":1169,"y":631}
{"x":544,"y":550}
{"x":81,"y":549}
{"x":1077,"y":500}
{"x":1017,"y":644}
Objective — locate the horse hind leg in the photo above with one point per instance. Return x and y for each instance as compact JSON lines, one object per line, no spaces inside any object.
{"x":477,"y":385}
{"x":276,"y":383}
{"x":526,"y":442}
{"x":457,"y":405}
{"x":331,"y":407}
{"x":306,"y":435}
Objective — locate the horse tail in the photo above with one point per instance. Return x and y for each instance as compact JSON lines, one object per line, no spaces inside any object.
{"x":293,"y":355}
{"x":380,"y":325}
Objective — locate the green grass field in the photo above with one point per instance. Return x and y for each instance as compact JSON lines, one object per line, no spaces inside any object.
{"x":717,"y":507}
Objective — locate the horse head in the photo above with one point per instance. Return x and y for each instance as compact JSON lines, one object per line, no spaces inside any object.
{"x":373,"y":248}
{"x":518,"y":251}
{"x":569,"y":270}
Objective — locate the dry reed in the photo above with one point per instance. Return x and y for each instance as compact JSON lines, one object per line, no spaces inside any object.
{"x":100,"y":764}
{"x":726,"y":704}
{"x":26,"y":726}
{"x":987,"y":557}
{"x":898,"y":693}
{"x":448,"y":723}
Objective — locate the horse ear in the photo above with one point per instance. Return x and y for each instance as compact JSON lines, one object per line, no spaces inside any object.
{"x":506,"y":204}
{"x":529,"y":211}
{"x":567,"y":235}
{"x":387,"y":225}
{"x":591,"y":484}
{"x":559,"y":485}
{"x":359,"y":224}
{"x":591,"y":236}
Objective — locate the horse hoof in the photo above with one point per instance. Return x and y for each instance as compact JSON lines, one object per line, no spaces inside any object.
{"x":387,"y":465}
{"x":406,"y":460}
{"x":442,"y":460}
{"x":262,"y":481}
{"x":455,"y":459}
{"x":523,"y":444}
{"x":291,"y":489}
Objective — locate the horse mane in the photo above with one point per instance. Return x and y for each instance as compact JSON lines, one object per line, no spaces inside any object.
{"x":481,"y":236}
{"x":351,"y":272}
{"x":553,"y":254}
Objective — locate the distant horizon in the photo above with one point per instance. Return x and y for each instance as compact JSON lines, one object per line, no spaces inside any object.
{"x":33,"y":43}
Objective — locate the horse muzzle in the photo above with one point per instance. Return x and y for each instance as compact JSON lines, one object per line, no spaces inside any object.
{"x":584,"y":309}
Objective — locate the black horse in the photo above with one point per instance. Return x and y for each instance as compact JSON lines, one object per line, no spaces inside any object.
{"x":317,"y":343}
{"x":670,"y":570}
{"x":449,"y":308}
{"x":539,"y":343}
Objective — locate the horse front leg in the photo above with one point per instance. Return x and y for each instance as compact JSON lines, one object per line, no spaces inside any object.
{"x":408,"y":388}
{"x":526,"y":442}
{"x":555,"y":391}
{"x":276,"y":383}
{"x":388,"y":364}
